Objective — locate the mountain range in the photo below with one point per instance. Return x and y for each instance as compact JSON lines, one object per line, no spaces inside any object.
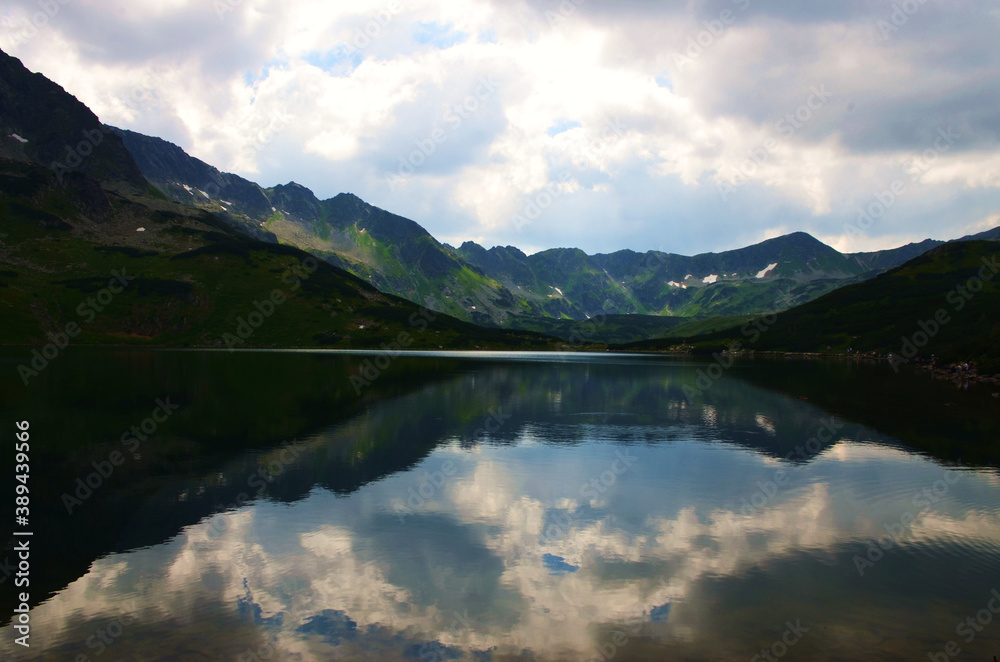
{"x":502,"y":286}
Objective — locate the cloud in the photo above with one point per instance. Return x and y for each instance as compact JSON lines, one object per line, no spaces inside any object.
{"x":473,"y":569}
{"x":811,"y":109}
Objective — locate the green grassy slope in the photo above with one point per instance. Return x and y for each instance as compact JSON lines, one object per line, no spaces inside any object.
{"x":391,"y":253}
{"x":194,"y":280}
{"x":950,"y":296}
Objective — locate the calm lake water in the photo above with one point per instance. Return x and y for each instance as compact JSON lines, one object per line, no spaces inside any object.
{"x":501,"y":507}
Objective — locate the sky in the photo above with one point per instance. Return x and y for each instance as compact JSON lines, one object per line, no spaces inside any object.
{"x":685,"y":127}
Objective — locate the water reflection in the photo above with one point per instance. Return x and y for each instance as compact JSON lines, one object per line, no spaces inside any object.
{"x":531,"y":510}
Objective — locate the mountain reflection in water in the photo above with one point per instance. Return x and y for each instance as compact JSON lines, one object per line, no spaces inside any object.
{"x":501,"y":508}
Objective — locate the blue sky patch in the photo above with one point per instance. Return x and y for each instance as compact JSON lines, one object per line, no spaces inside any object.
{"x":659,"y":614}
{"x":436,"y":34}
{"x":561,"y":126}
{"x":252,"y":77}
{"x":340,"y":61}
{"x":557,"y":565}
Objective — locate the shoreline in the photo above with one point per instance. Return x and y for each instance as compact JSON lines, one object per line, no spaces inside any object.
{"x":953,"y":372}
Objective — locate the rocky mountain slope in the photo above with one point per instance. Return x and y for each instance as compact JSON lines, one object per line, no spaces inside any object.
{"x":502,"y":286}
{"x":43,"y":124}
{"x":392,"y":253}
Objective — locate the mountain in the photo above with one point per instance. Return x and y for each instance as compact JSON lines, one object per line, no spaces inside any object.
{"x":43,"y":124}
{"x":93,"y":253}
{"x":776,"y":273}
{"x":988,"y":235}
{"x":502,"y":286}
{"x":887,"y":259}
{"x":167,"y":165}
{"x":392,"y":253}
{"x":943,"y":302}
{"x":186,"y":278}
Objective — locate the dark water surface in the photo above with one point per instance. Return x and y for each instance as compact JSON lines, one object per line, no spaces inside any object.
{"x":501,"y":507}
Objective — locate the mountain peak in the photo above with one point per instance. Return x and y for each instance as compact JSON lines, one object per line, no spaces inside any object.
{"x":796,"y":238}
{"x":59,"y":131}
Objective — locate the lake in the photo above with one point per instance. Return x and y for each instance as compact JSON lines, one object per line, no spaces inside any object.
{"x":191,"y":505}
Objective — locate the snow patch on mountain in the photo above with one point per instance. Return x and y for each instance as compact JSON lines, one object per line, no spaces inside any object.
{"x":764,"y":272}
